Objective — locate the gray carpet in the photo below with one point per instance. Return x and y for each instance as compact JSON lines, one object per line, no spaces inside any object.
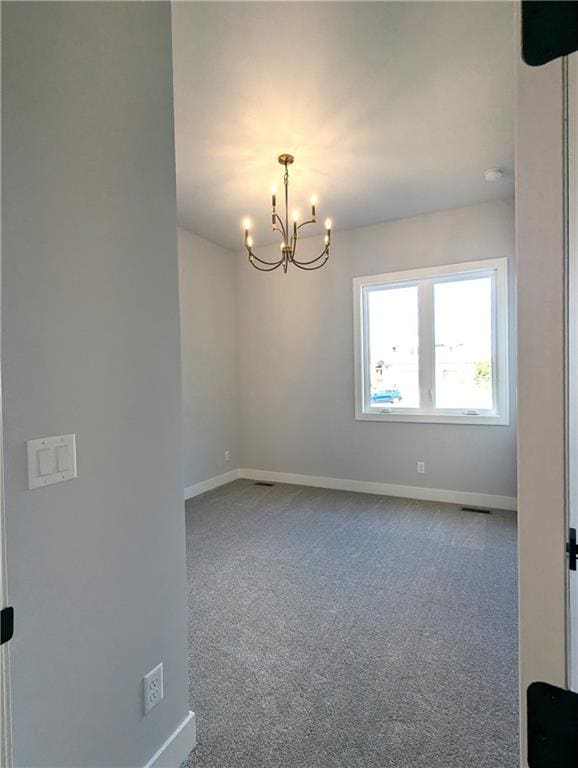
{"x":337,"y":630}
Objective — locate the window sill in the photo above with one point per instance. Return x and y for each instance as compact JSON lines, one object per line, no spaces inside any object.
{"x":501,"y":420}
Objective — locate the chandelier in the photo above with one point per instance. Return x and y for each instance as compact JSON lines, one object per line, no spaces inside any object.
{"x":289,"y":238}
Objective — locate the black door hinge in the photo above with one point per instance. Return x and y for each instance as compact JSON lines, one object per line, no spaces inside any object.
{"x":572,"y":550}
{"x":6,"y":624}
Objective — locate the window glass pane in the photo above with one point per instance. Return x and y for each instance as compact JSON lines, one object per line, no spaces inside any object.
{"x":463,"y":344}
{"x":393,"y":348}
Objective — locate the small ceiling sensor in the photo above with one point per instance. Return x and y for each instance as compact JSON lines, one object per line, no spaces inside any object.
{"x":493,"y":174}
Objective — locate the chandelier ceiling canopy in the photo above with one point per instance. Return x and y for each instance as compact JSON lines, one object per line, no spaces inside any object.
{"x":289,"y":236}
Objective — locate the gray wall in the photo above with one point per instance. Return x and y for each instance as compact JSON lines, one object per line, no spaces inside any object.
{"x":540,"y":244}
{"x":91,"y":345}
{"x":208,"y":291}
{"x":296,"y":353}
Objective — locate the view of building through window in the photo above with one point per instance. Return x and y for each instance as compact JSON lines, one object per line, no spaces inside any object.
{"x":463,"y":344}
{"x":394,"y":347}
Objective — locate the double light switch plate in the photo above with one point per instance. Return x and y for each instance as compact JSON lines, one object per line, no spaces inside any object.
{"x":51,"y":460}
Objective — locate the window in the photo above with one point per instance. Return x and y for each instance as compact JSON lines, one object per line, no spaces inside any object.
{"x":432,"y":344}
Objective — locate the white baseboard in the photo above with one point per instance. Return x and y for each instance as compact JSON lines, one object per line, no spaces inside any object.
{"x":384,"y":489}
{"x":213,"y":482}
{"x":177,"y":747}
{"x":467,"y":498}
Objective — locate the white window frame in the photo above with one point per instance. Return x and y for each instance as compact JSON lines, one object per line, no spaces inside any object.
{"x":425,"y":279}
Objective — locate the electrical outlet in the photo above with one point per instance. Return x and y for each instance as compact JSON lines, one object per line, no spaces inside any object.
{"x":227,"y":455}
{"x":421,"y":467}
{"x":153,"y":688}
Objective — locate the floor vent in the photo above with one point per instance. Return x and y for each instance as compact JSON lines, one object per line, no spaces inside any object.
{"x":479,"y":510}
{"x":262,"y":482}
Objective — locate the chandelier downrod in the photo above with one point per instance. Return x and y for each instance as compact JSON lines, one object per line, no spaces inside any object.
{"x":289,"y":241}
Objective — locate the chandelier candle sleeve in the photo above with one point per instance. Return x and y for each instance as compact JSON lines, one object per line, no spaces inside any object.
{"x":289,"y":241}
{"x":313,"y":204}
{"x":246,"y":227}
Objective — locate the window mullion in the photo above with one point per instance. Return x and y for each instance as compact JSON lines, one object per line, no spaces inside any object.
{"x":426,"y":345}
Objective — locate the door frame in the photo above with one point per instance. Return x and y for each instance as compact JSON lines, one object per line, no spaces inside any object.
{"x":571,"y":204}
{"x":5,"y":705}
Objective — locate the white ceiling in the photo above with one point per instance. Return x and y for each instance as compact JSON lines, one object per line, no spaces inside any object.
{"x":391,"y":109}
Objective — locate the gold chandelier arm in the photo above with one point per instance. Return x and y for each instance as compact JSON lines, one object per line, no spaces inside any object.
{"x":303,"y":223}
{"x":311,"y":269}
{"x":266,"y":269}
{"x":253,"y":256}
{"x":283,"y":231}
{"x":272,"y":264}
{"x":304,"y":264}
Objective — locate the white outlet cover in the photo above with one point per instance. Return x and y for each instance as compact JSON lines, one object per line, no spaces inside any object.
{"x":421,"y":467}
{"x":153,"y":688}
{"x":51,"y":460}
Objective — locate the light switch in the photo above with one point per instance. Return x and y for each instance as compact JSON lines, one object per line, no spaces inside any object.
{"x":45,"y":458}
{"x":51,"y":460}
{"x":63,"y":458}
